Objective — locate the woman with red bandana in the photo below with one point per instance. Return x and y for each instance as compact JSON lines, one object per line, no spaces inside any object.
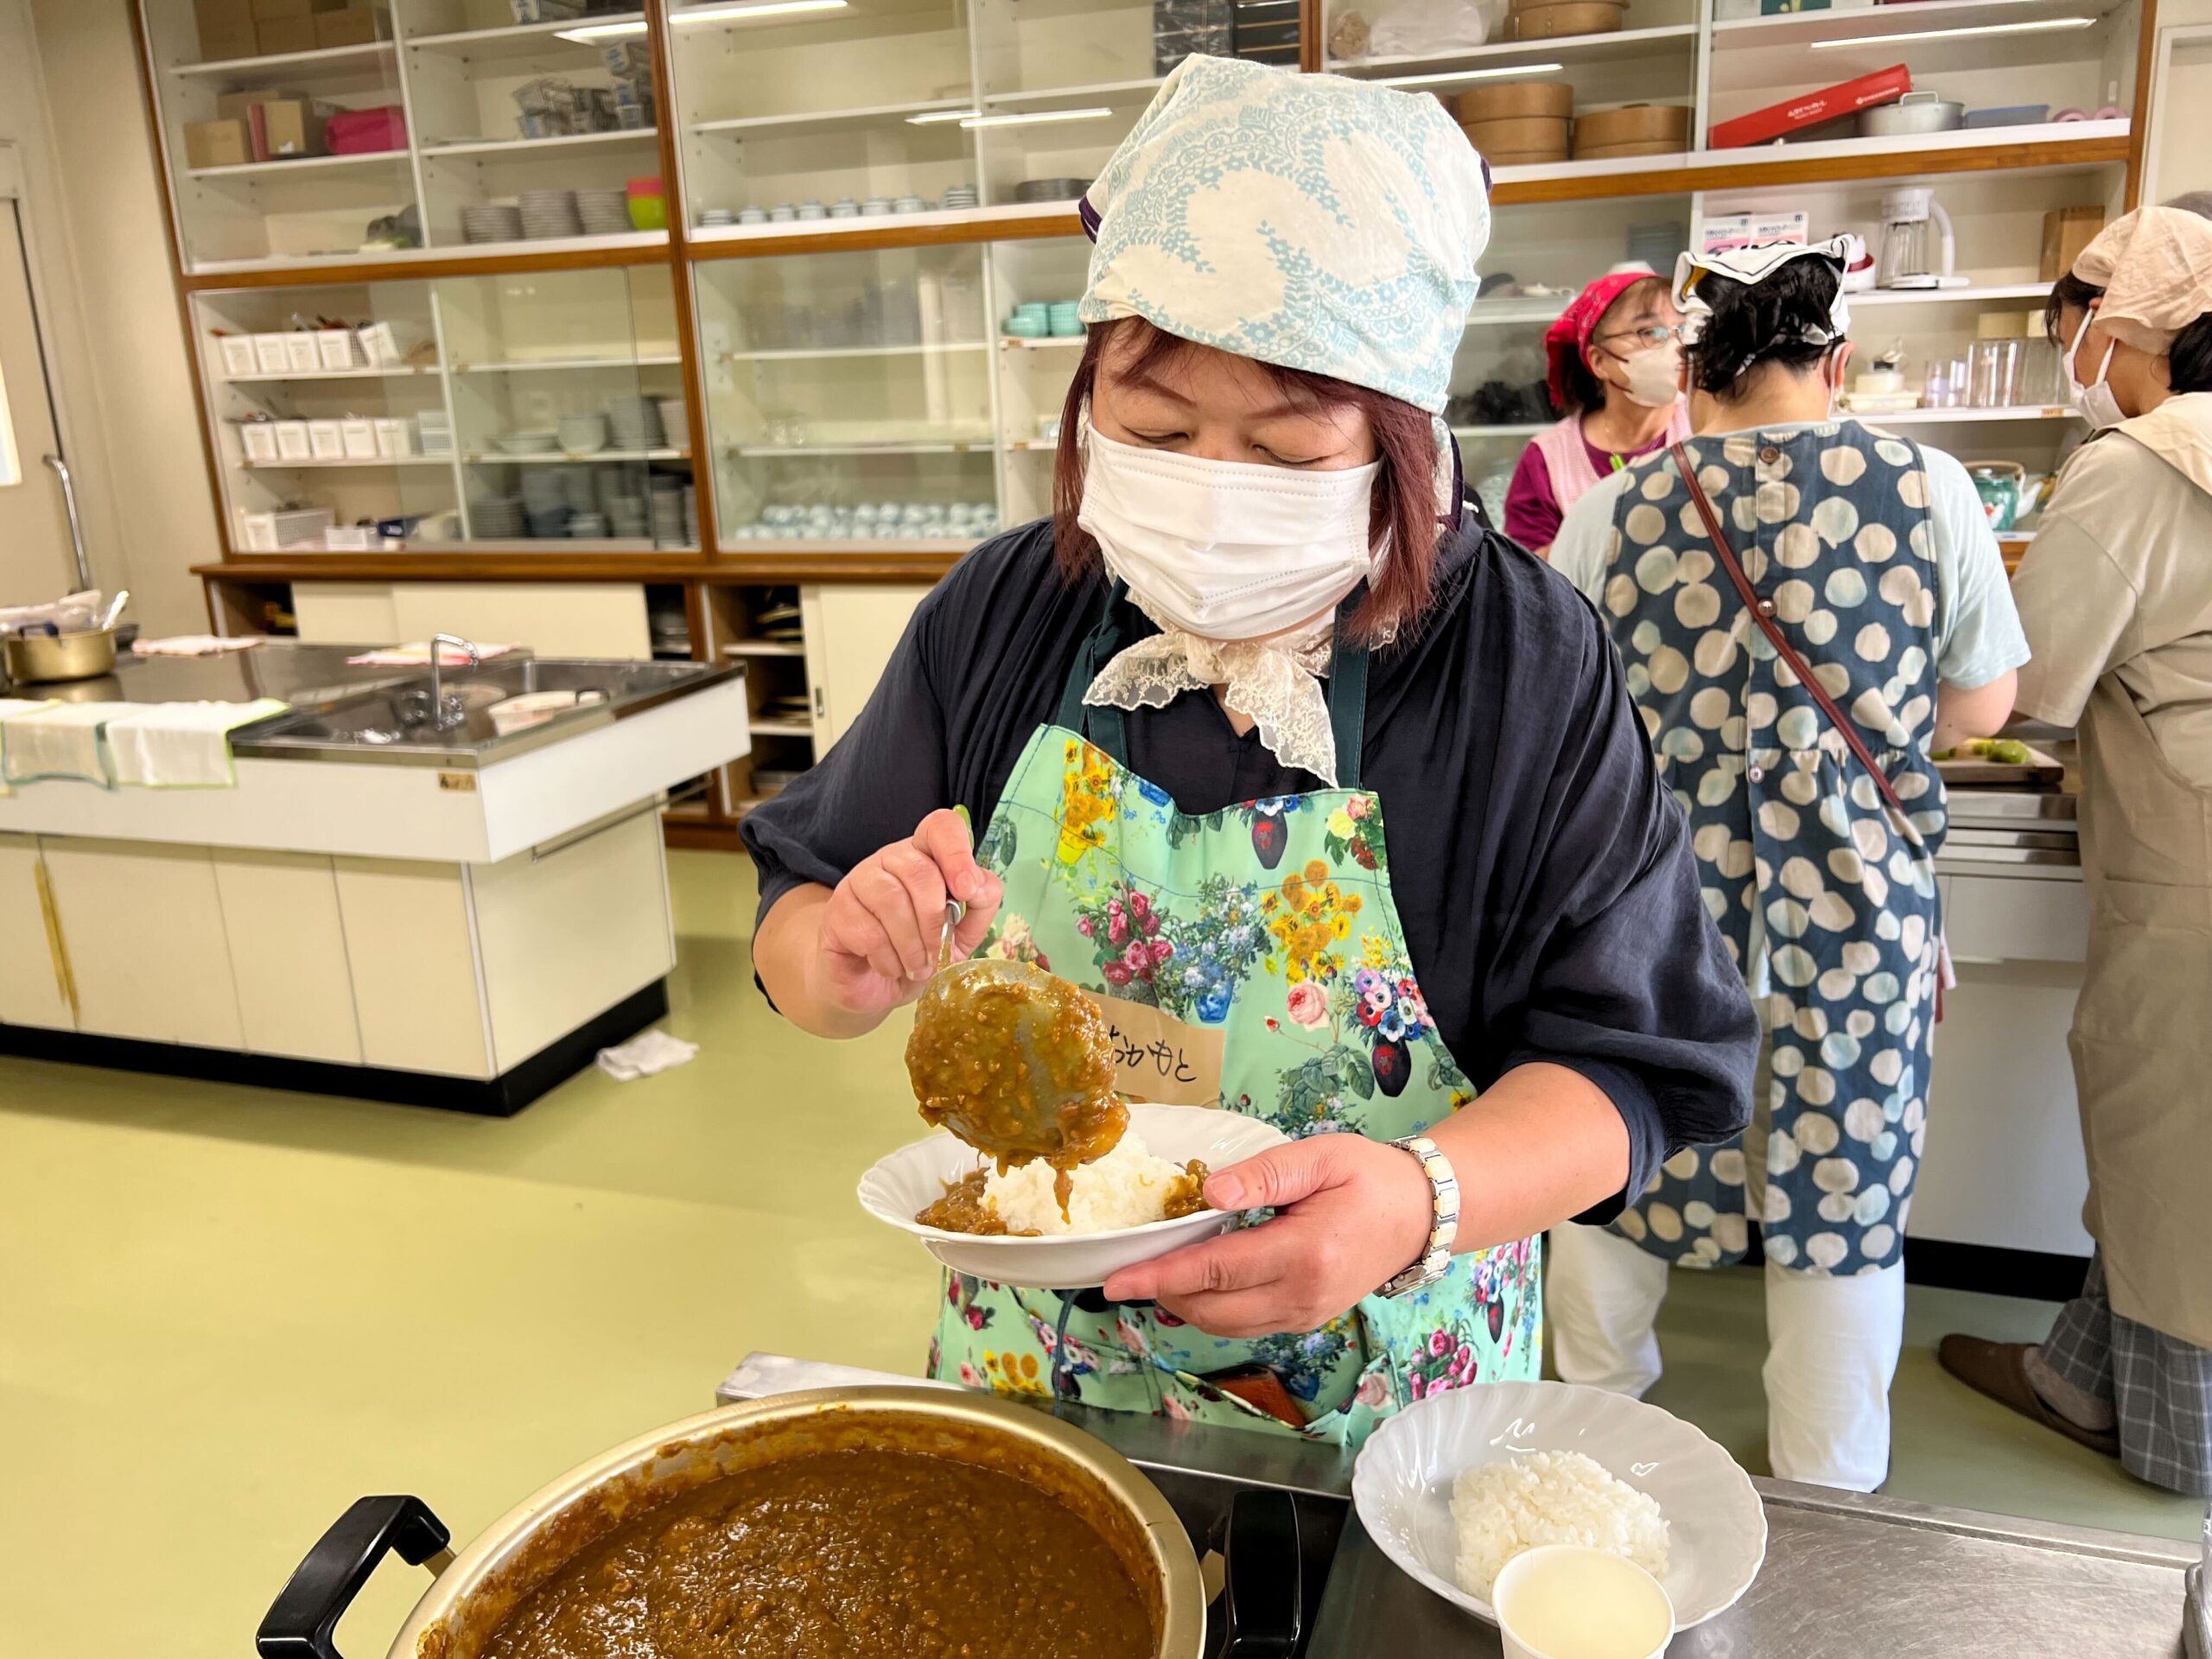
{"x":1613,"y":366}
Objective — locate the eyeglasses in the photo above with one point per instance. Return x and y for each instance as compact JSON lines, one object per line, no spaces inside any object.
{"x":1650,"y":337}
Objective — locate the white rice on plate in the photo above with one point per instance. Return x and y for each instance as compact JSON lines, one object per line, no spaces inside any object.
{"x":1127,"y":1187}
{"x":1500,"y":1510}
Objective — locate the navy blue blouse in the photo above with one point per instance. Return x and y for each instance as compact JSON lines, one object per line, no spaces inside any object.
{"x":1543,"y":877}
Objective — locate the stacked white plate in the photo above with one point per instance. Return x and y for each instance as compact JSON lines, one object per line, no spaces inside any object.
{"x":625,"y":518}
{"x":674,"y":428}
{"x":635,"y":421}
{"x":527,"y":443}
{"x":549,"y":213}
{"x":587,"y":526}
{"x":491,"y":221}
{"x":667,"y":505}
{"x":544,"y":489}
{"x":604,"y":213}
{"x":960,"y":196}
{"x":499,"y":519}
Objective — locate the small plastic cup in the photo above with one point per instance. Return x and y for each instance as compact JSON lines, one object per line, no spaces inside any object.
{"x":1562,"y":1601}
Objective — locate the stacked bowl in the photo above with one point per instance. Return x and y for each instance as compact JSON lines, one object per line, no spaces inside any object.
{"x":604,"y":213}
{"x":549,"y":213}
{"x":491,"y":221}
{"x":636,"y":422}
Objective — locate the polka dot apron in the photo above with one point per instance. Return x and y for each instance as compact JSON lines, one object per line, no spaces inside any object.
{"x":1825,"y":895}
{"x":1273,"y":922}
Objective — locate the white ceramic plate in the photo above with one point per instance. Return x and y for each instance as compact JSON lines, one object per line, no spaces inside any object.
{"x":914,"y":1177}
{"x":1401,"y":1485}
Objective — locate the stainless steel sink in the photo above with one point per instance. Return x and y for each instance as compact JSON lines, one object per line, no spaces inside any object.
{"x":395,"y":721}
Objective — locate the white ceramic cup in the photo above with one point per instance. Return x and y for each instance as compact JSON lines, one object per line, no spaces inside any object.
{"x":1563,"y":1601}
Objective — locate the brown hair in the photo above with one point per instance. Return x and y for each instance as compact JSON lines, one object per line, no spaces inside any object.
{"x":1585,"y":390}
{"x":1405,"y":487}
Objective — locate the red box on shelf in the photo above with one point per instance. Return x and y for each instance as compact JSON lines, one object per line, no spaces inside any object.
{"x":1779,"y":120}
{"x":364,"y":132}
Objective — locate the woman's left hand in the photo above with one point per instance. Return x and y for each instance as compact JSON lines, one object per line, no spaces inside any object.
{"x":1351,"y":1213}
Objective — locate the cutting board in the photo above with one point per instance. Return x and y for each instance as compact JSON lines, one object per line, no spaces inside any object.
{"x":2042,"y":771}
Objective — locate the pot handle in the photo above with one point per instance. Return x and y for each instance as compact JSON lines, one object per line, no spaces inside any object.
{"x":303,"y":1619}
{"x":1263,"y":1595}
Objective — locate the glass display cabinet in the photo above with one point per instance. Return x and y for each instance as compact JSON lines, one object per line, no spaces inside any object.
{"x":849,"y":398}
{"x":539,"y":407}
{"x":306,"y":129}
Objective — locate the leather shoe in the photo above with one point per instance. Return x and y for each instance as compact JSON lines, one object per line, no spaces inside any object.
{"x":1999,"y":1370}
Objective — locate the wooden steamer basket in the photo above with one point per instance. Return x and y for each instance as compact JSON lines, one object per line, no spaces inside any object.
{"x":1632,"y":130}
{"x":1552,"y":20}
{"x":1517,"y":122}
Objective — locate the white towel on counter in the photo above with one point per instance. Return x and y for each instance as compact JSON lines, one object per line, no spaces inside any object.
{"x":417,"y":655}
{"x":197,"y":645}
{"x":62,"y":741}
{"x":182,"y":744}
{"x":642,"y":1056}
{"x":9,"y":707}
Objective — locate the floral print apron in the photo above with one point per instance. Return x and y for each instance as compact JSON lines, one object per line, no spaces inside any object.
{"x":1271,"y":920}
{"x":1831,"y":524}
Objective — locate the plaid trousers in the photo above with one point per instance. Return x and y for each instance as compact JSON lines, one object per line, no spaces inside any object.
{"x":2160,"y":1387}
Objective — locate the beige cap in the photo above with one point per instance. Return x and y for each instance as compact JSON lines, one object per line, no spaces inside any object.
{"x":2155,"y":266}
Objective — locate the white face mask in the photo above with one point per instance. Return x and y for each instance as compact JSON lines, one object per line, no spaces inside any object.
{"x":1652,"y":376}
{"x":2095,"y":400}
{"x":1222,"y":549}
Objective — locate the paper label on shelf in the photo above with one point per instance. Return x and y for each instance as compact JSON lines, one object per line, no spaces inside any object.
{"x":1160,"y":1058}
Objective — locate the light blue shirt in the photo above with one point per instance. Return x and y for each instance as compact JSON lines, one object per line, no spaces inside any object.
{"x":1978,"y":633}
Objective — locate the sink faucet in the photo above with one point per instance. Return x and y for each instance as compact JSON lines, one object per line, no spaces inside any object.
{"x":442,"y":717}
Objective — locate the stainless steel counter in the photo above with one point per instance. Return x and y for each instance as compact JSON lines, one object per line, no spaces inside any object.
{"x":284,"y":669}
{"x":1846,"y":1577}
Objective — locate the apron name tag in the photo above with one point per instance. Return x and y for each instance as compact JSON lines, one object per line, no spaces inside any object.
{"x":1158,"y":1058}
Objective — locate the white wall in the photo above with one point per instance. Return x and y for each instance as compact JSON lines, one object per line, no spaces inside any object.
{"x":70,"y":101}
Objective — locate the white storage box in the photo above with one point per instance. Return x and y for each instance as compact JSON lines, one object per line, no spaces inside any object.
{"x":379,"y":345}
{"x":393,"y":437}
{"x":359,"y":434}
{"x":271,"y":354}
{"x":271,"y":532}
{"x":292,"y":441}
{"x":301,"y":352}
{"x":436,"y":432}
{"x":352,"y":538}
{"x":336,"y":348}
{"x":239,"y":356}
{"x":326,"y":440}
{"x":258,"y":439}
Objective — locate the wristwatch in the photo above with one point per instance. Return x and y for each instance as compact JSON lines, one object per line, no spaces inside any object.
{"x":1444,"y":1228}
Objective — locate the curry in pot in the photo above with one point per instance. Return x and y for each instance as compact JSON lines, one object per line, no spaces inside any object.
{"x":859,"y":1553}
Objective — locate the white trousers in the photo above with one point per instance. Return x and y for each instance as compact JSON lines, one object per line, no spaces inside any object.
{"x":1832,"y":1349}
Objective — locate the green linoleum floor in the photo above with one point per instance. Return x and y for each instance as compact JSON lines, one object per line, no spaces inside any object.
{"x":225,"y":1313}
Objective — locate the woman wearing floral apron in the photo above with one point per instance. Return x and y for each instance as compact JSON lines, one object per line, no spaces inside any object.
{"x":1262,"y":621}
{"x":1805,"y":606}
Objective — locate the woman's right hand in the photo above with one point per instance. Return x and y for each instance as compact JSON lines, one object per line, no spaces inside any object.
{"x":882,"y":924}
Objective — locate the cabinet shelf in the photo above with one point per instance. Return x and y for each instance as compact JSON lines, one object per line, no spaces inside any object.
{"x":853,"y":120}
{"x":561,"y":458}
{"x":1969,"y":416}
{"x":805,"y":353}
{"x":1990,"y":295}
{"x":533,"y":146}
{"x":1899,"y":22}
{"x":778,"y":728}
{"x":350,"y":460}
{"x":279,"y":65}
{"x":1118,"y":93}
{"x":763,"y":648}
{"x":1527,"y":429}
{"x":514,"y":40}
{"x":311,"y":375}
{"x":565,"y":365}
{"x":1042,"y":343}
{"x":1621,"y":46}
{"x":317,"y":166}
{"x":956,"y":446}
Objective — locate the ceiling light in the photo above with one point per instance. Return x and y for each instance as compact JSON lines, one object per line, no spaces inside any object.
{"x":1469,"y":74}
{"x":2032,"y":26}
{"x":935,"y":116}
{"x":1035,"y":117}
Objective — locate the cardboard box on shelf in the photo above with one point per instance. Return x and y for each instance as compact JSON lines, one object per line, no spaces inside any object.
{"x":286,"y":127}
{"x":226,"y":29}
{"x":284,"y":34}
{"x":1721,"y":231}
{"x":1793,"y":114}
{"x":354,"y":25}
{"x":238,"y":106}
{"x":216,"y":143}
{"x":2066,"y":231}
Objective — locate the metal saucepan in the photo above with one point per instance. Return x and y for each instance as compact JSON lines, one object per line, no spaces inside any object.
{"x":1916,"y":112}
{"x":37,"y":658}
{"x":476,"y":1590}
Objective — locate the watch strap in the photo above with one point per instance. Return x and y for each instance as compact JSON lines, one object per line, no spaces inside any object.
{"x":1443,"y":1221}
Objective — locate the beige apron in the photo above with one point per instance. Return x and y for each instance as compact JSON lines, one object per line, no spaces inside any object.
{"x":2142,"y":1037}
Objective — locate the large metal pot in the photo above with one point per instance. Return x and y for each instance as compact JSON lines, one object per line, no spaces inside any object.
{"x":477,"y":1589}
{"x":38,"y":658}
